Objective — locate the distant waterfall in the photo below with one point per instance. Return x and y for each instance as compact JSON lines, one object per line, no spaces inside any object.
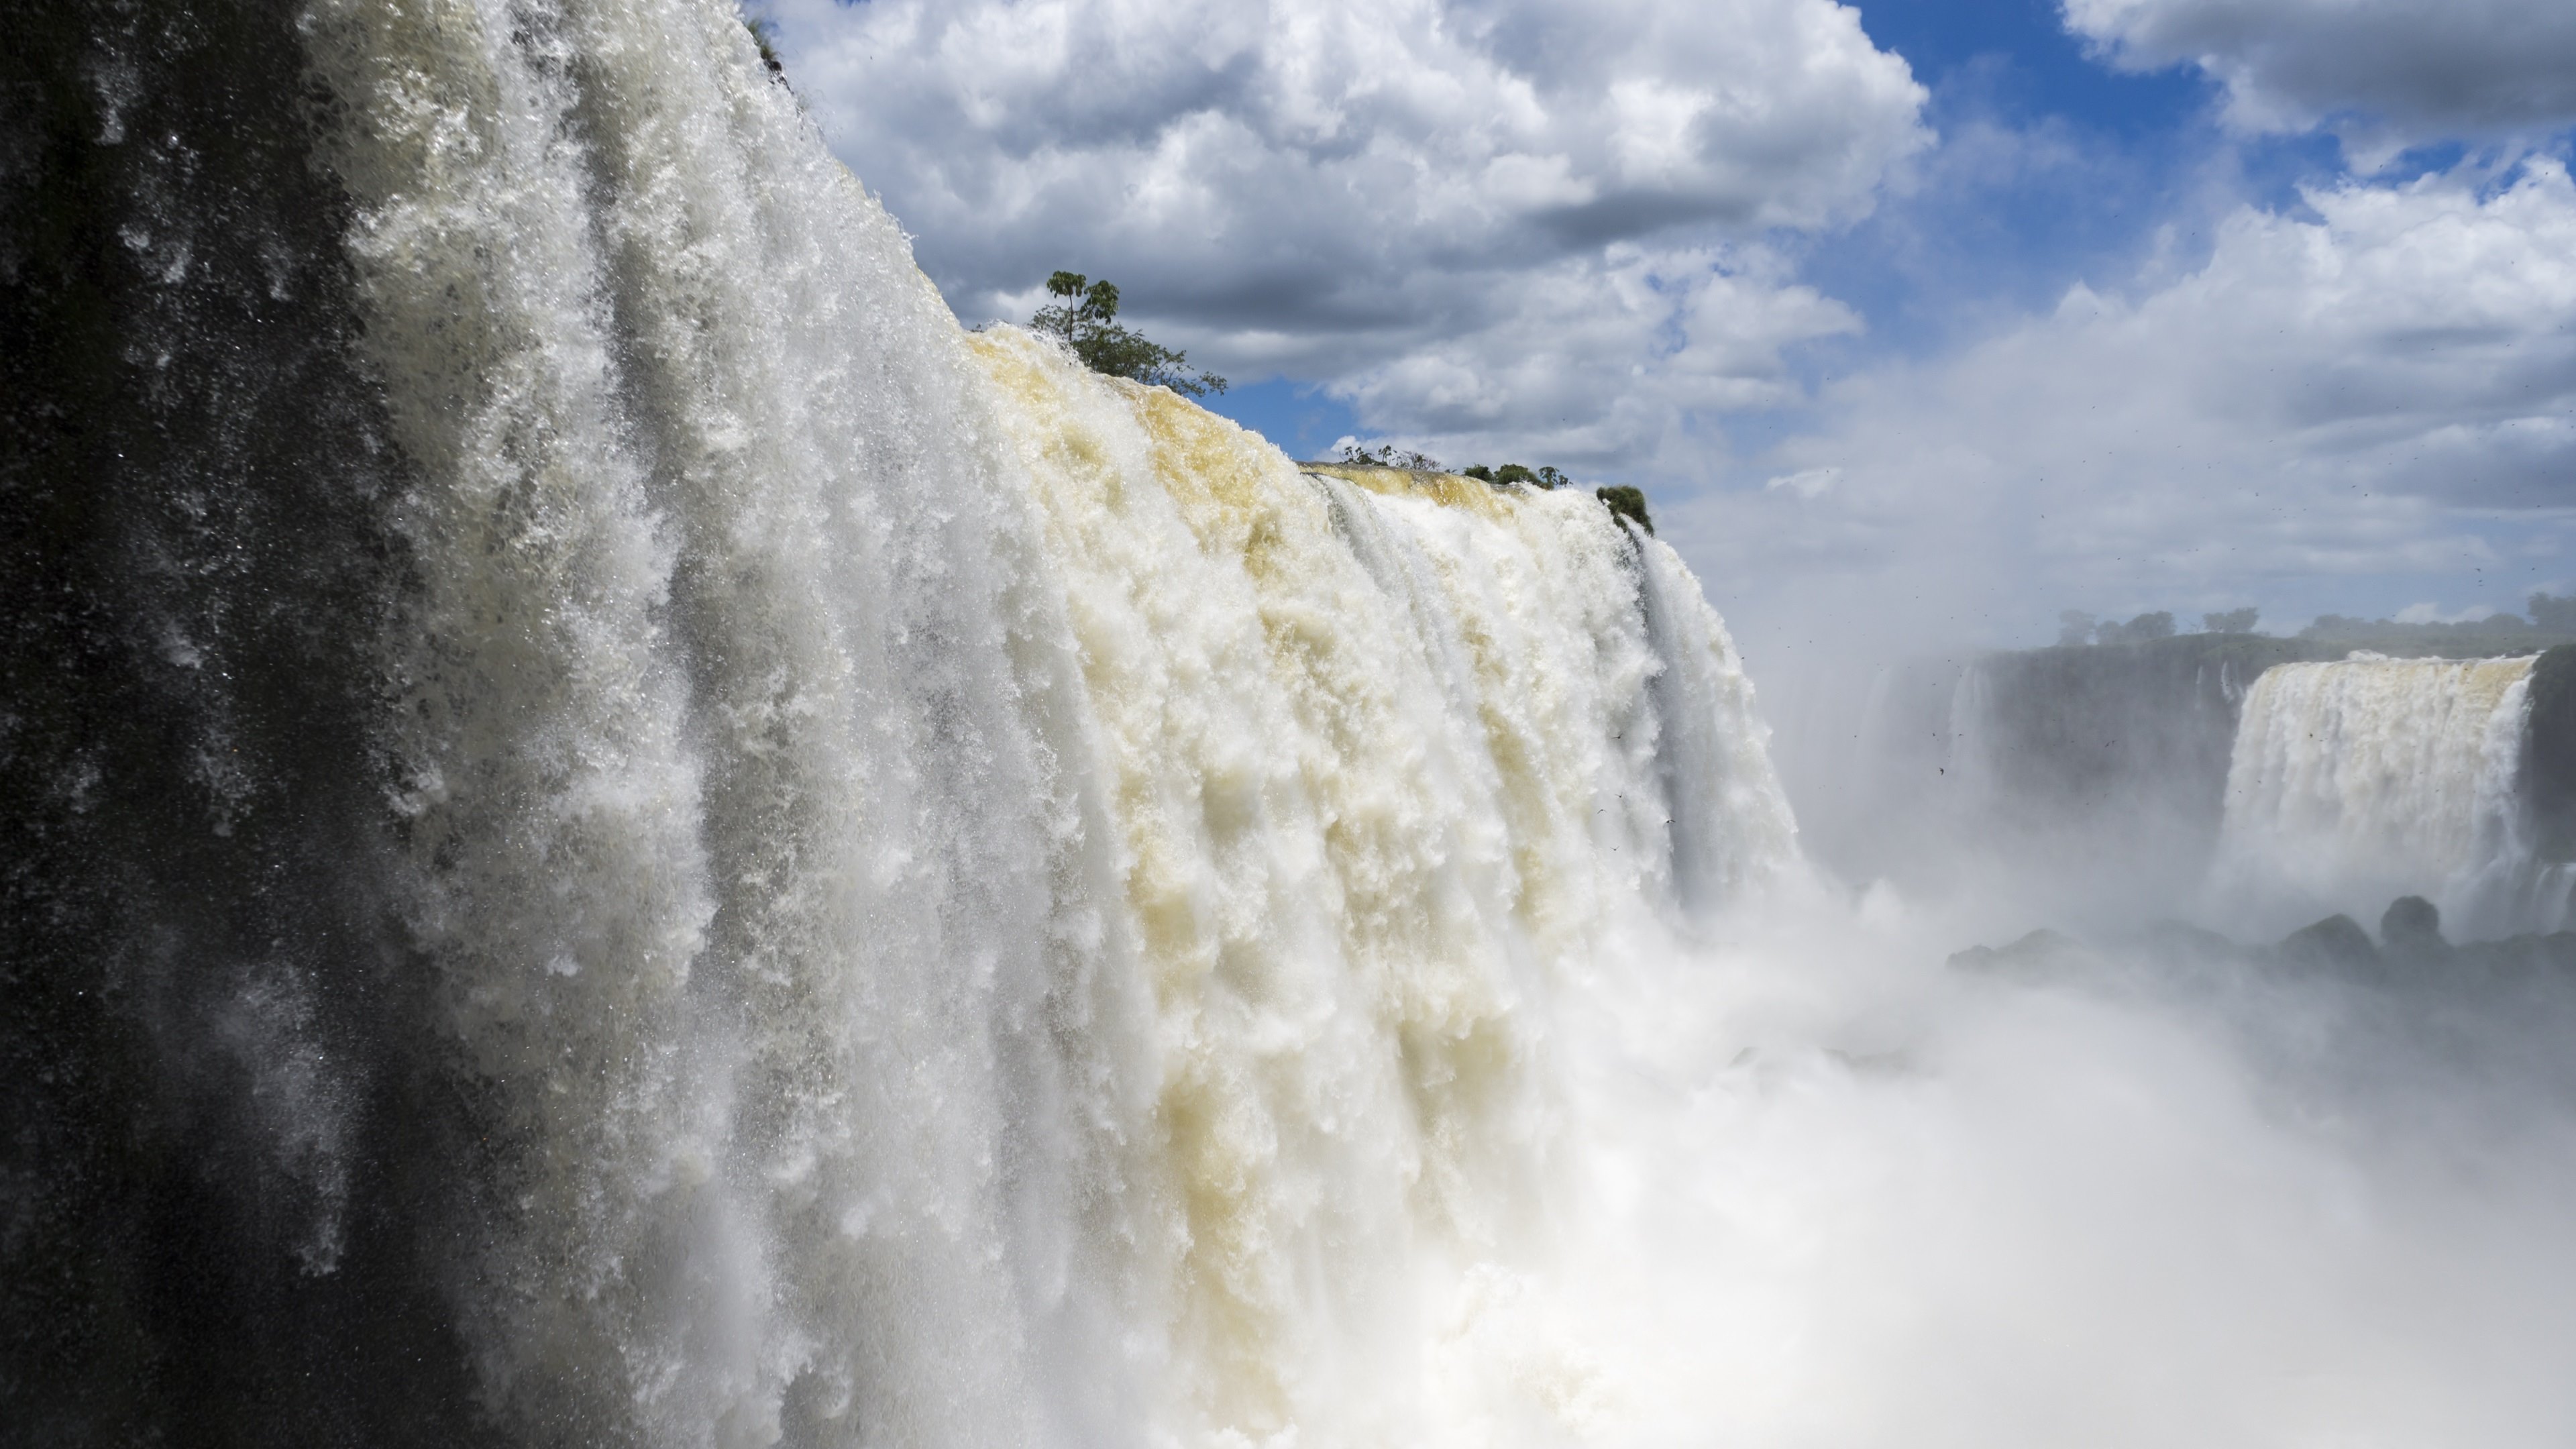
{"x":2357,"y":781}
{"x":641,"y":840}
{"x":1972,"y":755}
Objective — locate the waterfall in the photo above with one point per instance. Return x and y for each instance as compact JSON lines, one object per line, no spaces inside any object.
{"x":1975,"y":757}
{"x":722,"y":859}
{"x":2356,"y":781}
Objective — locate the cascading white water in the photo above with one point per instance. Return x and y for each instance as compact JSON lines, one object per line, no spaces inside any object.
{"x":620,"y":834}
{"x":2356,"y":781}
{"x":991,"y":907}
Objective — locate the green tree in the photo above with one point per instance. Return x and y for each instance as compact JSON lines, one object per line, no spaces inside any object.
{"x":2554,"y":614}
{"x":1626,"y":502}
{"x":1086,"y":320}
{"x":2158,"y":625}
{"x":2233,"y":621}
{"x":1388,"y":455}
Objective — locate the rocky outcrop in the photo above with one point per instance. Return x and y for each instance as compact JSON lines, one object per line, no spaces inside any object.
{"x":2410,"y":954}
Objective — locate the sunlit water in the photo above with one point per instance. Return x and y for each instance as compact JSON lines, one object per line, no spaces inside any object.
{"x":944,"y":899}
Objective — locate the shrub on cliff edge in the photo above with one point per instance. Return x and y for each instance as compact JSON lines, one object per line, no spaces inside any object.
{"x":1626,"y":502}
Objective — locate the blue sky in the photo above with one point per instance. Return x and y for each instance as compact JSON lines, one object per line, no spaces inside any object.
{"x":1918,"y":322}
{"x":1926,"y":264}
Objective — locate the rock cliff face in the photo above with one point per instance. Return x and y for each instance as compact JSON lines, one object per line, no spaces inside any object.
{"x":2075,"y":733}
{"x":2093,"y":772}
{"x":2548,"y":778}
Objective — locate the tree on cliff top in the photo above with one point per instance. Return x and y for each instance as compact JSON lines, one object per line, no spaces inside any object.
{"x":2145,"y":627}
{"x":1085,"y":319}
{"x":1387,"y":455}
{"x":1626,"y":502}
{"x":1541,"y":477}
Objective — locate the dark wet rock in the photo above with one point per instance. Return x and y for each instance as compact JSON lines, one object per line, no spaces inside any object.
{"x":2410,"y":933}
{"x":2412,"y":922}
{"x":2041,"y":955}
{"x":2337,"y":943}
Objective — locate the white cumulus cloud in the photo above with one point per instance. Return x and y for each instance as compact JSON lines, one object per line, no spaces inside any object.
{"x":1476,"y":219}
{"x":2357,"y":396}
{"x":1623,"y":360}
